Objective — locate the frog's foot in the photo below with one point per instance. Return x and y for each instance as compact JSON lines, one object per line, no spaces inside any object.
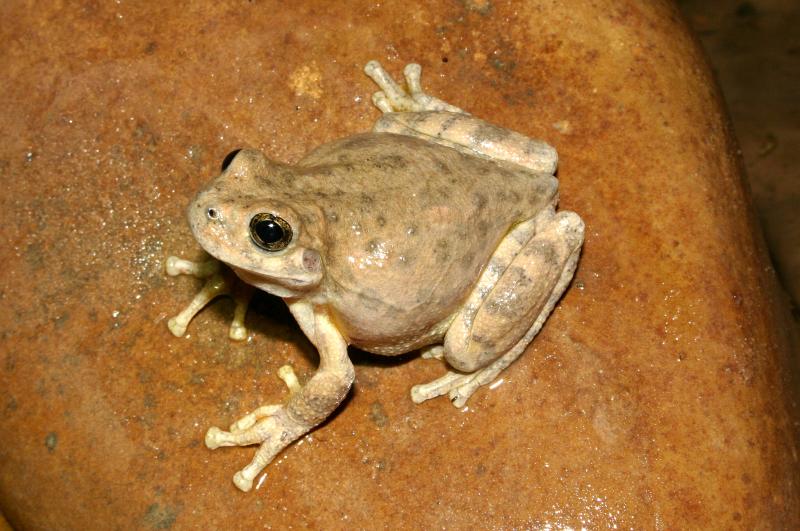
{"x":218,"y":283}
{"x":270,"y":426}
{"x":460,"y":386}
{"x":432,"y":352}
{"x":392,"y":98}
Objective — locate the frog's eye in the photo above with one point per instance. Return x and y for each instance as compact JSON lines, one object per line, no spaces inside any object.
{"x":270,"y":232}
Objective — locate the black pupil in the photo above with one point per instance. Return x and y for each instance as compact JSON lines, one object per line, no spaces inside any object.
{"x":268,"y":231}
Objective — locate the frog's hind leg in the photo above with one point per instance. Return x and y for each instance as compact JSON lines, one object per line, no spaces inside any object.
{"x":392,"y":98}
{"x":461,"y":386}
{"x":415,"y":113}
{"x":511,"y":302}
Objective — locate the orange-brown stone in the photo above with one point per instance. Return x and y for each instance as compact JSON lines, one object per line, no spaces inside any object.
{"x":657,"y":396}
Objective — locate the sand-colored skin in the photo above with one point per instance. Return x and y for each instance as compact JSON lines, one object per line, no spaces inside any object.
{"x":656,"y":396}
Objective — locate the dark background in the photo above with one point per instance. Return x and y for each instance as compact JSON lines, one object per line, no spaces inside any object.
{"x":754,"y":48}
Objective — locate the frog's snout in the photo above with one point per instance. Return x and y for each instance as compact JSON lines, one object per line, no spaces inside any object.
{"x":206,"y":205}
{"x":208,"y":216}
{"x":203,"y":212}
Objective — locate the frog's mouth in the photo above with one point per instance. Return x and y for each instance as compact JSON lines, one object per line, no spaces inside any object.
{"x":280,"y":287}
{"x":257,"y":279}
{"x":294,"y":273}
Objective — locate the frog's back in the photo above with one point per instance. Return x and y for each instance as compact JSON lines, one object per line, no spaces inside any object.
{"x":377,"y":161}
{"x":409,"y":225}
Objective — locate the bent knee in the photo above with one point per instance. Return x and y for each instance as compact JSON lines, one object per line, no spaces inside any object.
{"x":476,"y":355}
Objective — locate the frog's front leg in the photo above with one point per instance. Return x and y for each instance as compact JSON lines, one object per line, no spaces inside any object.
{"x":415,"y":113}
{"x":218,"y":282}
{"x":514,"y":296}
{"x":277,"y":426}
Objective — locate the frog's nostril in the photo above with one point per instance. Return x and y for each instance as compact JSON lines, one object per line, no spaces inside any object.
{"x":212,"y":213}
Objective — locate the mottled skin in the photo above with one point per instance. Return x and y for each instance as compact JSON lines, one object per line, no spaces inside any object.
{"x":435,"y":230}
{"x":384,"y":211}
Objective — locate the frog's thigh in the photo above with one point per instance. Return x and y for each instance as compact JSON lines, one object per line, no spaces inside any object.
{"x":470,"y":135}
{"x":521,"y":299}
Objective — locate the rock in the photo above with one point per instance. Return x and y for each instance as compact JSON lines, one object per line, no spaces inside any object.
{"x":658,"y":394}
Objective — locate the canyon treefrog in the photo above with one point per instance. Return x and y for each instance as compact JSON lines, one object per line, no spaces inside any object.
{"x":435,"y":231}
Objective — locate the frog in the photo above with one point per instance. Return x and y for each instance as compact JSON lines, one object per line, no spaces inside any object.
{"x":435,"y":232}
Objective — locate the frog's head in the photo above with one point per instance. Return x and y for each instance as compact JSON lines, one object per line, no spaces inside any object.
{"x":243,"y":219}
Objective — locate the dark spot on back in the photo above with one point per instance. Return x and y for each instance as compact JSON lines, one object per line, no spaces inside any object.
{"x":389,"y":162}
{"x":367,"y":199}
{"x":441,"y":251}
{"x":443,"y":167}
{"x":396,"y":161}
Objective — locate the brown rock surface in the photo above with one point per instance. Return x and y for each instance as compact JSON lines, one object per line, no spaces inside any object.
{"x":657,"y":396}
